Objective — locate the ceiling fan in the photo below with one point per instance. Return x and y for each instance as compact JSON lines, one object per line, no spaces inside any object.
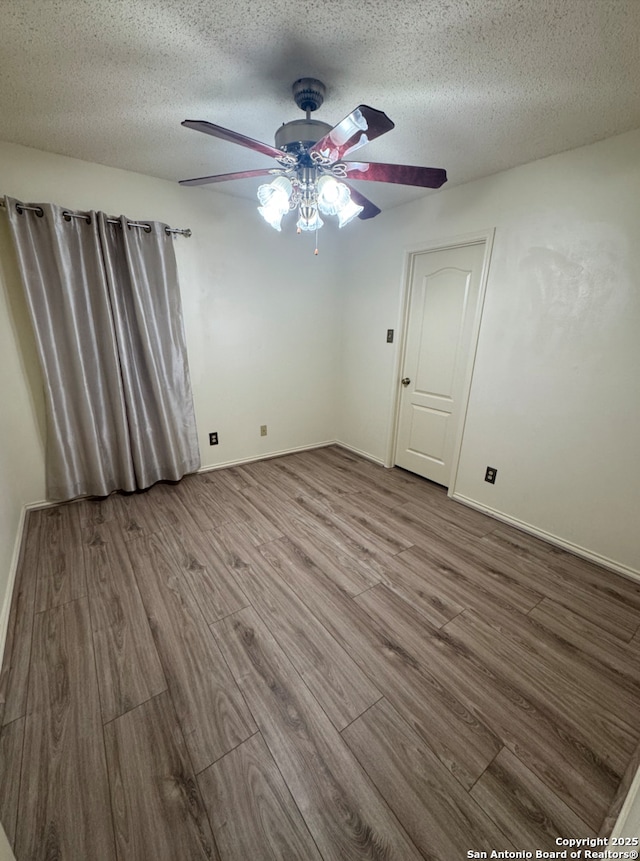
{"x":311,"y":165}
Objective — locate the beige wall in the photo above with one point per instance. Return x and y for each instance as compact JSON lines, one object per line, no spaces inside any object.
{"x":5,"y":850}
{"x":555,"y":398}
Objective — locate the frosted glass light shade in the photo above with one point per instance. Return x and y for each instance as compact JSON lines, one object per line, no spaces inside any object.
{"x":349,"y":212}
{"x":272,"y":215}
{"x":274,"y":197}
{"x":311,"y":222}
{"x":333,"y":196}
{"x":276,"y":193}
{"x":328,"y":196}
{"x":349,"y":126}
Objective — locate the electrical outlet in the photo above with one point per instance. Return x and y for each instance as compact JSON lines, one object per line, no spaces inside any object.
{"x":213,"y":438}
{"x":490,"y":474}
{"x":263,"y":430}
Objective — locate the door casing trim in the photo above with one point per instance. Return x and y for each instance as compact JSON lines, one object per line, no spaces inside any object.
{"x":479,"y":237}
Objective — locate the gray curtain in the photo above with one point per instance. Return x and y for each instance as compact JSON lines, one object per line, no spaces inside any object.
{"x":105,"y":305}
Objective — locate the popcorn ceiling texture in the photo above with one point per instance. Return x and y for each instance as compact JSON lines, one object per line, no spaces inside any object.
{"x":474,"y":86}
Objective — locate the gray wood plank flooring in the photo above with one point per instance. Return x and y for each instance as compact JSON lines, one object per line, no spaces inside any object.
{"x":307,"y":658}
{"x":432,"y":708}
{"x":346,"y":816}
{"x":11,"y":745}
{"x":61,"y":577}
{"x":524,"y":807}
{"x":544,"y":742}
{"x":128,"y":668}
{"x":63,"y":746}
{"x":157,"y":810}
{"x":251,"y":809}
{"x":406,"y":772}
{"x":211,"y":710}
{"x":340,"y":687}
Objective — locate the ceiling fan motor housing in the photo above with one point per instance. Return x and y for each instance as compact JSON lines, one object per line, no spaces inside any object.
{"x":306,"y":132}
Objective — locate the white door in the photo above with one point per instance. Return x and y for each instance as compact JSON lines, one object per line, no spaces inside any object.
{"x":444,"y":291}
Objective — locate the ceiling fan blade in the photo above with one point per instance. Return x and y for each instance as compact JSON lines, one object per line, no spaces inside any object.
{"x":363,"y":124}
{"x":403,"y":174}
{"x":232,"y":137}
{"x":369,"y":209}
{"x":223,"y":177}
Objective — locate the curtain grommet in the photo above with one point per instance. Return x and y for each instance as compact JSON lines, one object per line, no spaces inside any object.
{"x":68,"y":216}
{"x":19,"y":209}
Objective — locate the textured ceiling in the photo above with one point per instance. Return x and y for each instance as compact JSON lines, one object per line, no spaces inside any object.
{"x":474,"y":86}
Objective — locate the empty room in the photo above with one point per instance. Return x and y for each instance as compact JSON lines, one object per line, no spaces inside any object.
{"x":320,"y":397}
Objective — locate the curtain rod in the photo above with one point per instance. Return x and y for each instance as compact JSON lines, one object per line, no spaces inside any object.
{"x":69,"y":215}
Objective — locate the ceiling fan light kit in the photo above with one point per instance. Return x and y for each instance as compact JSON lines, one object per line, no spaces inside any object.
{"x":311,"y":173}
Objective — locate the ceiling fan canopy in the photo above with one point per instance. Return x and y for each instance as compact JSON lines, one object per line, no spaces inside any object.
{"x":312,"y":169}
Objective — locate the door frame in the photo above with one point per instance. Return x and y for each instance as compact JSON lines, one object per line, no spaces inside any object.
{"x":475,"y":238}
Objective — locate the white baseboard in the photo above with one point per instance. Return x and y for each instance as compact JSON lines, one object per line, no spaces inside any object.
{"x":13,"y":570}
{"x":267,"y":456}
{"x":550,"y":538}
{"x":628,"y":822}
{"x":48,"y":503}
{"x":365,"y":454}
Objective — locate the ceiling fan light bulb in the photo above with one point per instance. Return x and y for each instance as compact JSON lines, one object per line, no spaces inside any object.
{"x":349,"y":212}
{"x":333,"y":196}
{"x":328,"y":189}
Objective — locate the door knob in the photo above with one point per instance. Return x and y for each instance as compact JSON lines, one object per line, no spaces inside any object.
{"x":405,"y":381}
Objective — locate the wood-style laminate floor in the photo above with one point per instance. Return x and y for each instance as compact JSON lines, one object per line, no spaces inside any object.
{"x":309,"y":658}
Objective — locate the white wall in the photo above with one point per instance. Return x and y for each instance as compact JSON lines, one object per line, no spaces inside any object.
{"x":21,"y":451}
{"x":260,"y":317}
{"x":555,"y":399}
